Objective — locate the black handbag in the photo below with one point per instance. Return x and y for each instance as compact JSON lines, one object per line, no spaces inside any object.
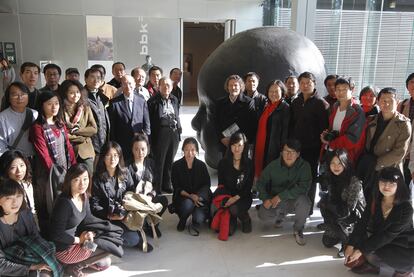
{"x":56,"y":178}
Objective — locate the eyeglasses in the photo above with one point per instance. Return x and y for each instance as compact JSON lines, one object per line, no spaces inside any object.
{"x":17,"y":96}
{"x":388,"y":184}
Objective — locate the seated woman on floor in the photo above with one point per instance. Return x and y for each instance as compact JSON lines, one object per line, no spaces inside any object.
{"x":81,"y":239}
{"x":384,"y":236}
{"x":110,"y":183}
{"x":15,"y":166}
{"x":343,"y":203}
{"x":142,"y":172}
{"x":235,"y":179}
{"x":19,"y":236}
{"x":191,"y":183}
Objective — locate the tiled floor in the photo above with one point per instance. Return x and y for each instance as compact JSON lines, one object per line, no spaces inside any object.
{"x":264,"y":252}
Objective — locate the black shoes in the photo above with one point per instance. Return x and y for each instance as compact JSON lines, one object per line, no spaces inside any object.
{"x":181,"y":225}
{"x":233,"y":225}
{"x":140,"y":246}
{"x":246,"y":225}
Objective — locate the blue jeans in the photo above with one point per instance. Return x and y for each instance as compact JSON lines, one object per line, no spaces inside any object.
{"x":187,"y":208}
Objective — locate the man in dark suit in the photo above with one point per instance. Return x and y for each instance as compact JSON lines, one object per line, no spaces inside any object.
{"x":165,"y":132}
{"x":128,"y":113}
{"x":234,"y":112}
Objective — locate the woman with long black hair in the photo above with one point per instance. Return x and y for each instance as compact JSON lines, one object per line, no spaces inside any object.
{"x":343,"y":202}
{"x":235,"y":178}
{"x":384,"y":236}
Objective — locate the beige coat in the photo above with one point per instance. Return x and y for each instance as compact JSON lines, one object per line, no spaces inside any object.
{"x":404,"y":108}
{"x":140,"y":207}
{"x":392,"y":145}
{"x":81,"y":138}
{"x":109,"y":90}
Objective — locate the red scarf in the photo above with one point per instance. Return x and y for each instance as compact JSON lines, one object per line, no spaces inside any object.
{"x":261,"y":137}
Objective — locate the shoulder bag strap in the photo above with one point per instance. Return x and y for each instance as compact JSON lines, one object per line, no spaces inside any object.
{"x":26,"y":124}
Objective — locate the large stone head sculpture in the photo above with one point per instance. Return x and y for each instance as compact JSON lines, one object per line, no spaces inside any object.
{"x":272,"y":52}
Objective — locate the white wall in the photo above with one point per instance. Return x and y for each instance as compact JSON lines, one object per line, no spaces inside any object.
{"x":56,"y":29}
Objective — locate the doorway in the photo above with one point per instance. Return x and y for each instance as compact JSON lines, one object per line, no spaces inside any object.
{"x":200,"y":39}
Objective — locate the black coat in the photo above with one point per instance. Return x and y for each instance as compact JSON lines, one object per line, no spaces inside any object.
{"x":276,"y":132}
{"x":147,"y":175}
{"x":101,"y":117}
{"x":106,"y":191}
{"x":125,"y":124}
{"x":392,"y":239}
{"x":154,"y":108}
{"x":242,"y":112}
{"x":308,"y":120}
{"x":235,"y":182}
{"x":196,"y":180}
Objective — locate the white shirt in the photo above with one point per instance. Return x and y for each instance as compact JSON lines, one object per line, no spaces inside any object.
{"x":144,"y":92}
{"x":339,"y":118}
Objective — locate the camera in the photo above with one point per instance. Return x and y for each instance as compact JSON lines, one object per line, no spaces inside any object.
{"x":331,"y":135}
{"x":224,"y":201}
{"x":89,"y":245}
{"x":117,"y":209}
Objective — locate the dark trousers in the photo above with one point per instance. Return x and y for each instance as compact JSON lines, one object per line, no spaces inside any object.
{"x":407,"y":172}
{"x":88,"y":162}
{"x":165,"y":149}
{"x":312,"y":157}
{"x":186,"y":207}
{"x":240,"y":209}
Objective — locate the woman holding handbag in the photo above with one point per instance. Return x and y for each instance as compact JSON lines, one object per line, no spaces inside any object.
{"x":384,"y":236}
{"x":54,"y":155}
{"x":142,"y":171}
{"x":110,"y":183}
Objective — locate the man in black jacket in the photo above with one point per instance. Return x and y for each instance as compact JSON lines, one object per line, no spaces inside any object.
{"x":165,"y":132}
{"x":98,"y":102}
{"x":235,"y":112}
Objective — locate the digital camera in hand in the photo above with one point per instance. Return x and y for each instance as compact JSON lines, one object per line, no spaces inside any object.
{"x":331,"y":135}
{"x":90,"y":245}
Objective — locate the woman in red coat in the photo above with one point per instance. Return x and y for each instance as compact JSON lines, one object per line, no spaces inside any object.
{"x":54,"y":153}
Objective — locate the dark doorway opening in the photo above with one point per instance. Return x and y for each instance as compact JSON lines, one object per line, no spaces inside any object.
{"x":200,"y":40}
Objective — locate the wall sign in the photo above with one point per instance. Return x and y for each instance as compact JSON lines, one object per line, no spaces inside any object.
{"x":10,"y":52}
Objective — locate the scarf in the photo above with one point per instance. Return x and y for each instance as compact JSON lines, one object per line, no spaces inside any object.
{"x":34,"y":250}
{"x":261,"y":137}
{"x":76,"y":118}
{"x":51,"y":141}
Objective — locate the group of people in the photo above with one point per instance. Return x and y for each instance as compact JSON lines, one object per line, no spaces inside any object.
{"x":76,"y":163}
{"x":358,"y":151}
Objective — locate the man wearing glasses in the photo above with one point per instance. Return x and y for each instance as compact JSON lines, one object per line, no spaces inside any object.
{"x":283,"y":187}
